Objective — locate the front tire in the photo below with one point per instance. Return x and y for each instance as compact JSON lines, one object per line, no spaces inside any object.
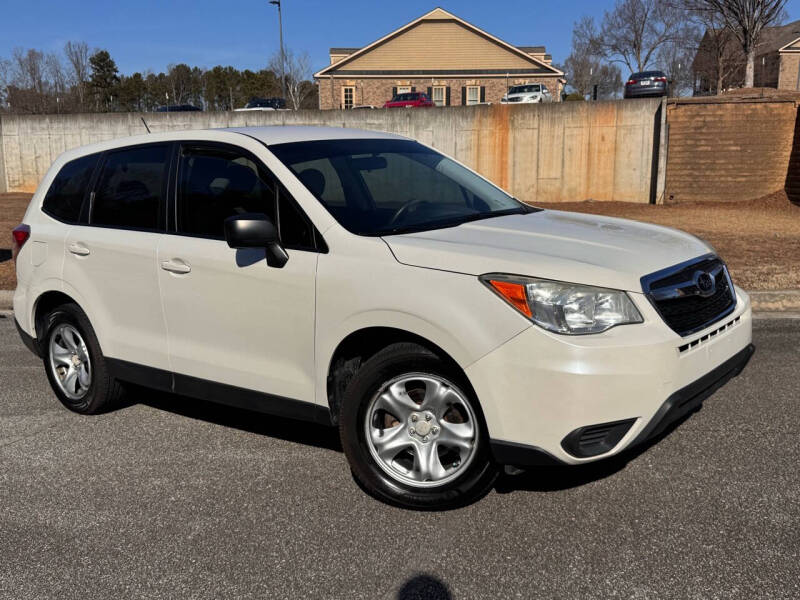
{"x":412,"y":431}
{"x":75,"y":366}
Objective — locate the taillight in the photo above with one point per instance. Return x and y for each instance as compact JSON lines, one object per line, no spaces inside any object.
{"x":20,"y":235}
{"x":631,"y":82}
{"x":661,"y":79}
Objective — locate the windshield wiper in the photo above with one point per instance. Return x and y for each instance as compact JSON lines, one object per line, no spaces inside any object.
{"x":444,"y":224}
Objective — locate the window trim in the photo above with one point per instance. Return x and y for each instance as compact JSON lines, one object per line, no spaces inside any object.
{"x":477,"y":89}
{"x":344,"y":96}
{"x":444,"y":94}
{"x":163,"y":200}
{"x":319,"y":242}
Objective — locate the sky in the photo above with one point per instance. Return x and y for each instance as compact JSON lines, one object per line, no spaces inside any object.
{"x":149,"y":34}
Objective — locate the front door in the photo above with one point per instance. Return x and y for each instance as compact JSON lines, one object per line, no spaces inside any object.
{"x":231,"y":318}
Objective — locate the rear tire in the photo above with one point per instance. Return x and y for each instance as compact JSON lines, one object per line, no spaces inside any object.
{"x":75,"y":365}
{"x":435,"y":454}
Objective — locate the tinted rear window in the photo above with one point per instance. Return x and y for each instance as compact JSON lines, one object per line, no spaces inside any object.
{"x":65,"y":196}
{"x":646,"y":74}
{"x":129,"y":191}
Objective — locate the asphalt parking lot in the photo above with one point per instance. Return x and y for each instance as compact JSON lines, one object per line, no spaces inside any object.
{"x":172,"y":498}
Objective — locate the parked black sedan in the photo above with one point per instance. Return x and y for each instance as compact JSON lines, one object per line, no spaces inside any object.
{"x":647,"y":84}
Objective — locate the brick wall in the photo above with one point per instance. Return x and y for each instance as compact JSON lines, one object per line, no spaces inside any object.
{"x":726,"y":151}
{"x":790,"y":63}
{"x":378,"y":91}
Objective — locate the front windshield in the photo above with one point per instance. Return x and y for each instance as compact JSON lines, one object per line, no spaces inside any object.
{"x":385,"y":186}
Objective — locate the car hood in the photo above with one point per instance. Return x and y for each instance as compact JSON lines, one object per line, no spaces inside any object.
{"x":574,"y":247}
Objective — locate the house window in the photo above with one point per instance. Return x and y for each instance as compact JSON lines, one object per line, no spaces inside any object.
{"x":439,"y":95}
{"x":473,"y":94}
{"x":348,"y":93}
{"x":403,"y":89}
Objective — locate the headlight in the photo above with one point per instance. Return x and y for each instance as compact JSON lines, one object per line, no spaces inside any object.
{"x":567,"y":308}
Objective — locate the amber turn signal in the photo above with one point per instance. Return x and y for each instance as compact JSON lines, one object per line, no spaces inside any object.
{"x":514,"y":294}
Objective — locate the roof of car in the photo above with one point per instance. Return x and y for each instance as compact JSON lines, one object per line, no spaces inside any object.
{"x":279,"y":134}
{"x":282,"y":134}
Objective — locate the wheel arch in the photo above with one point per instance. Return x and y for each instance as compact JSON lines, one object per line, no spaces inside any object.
{"x":44,"y":303}
{"x":360,"y":345}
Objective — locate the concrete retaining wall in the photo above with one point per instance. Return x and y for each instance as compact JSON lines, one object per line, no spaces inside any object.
{"x":540,"y":153}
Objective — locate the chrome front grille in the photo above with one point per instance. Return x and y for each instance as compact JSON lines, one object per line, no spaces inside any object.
{"x":693,"y":295}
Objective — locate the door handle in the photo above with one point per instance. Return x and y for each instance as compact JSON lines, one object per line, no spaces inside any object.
{"x":176,"y":266}
{"x":78,"y":249}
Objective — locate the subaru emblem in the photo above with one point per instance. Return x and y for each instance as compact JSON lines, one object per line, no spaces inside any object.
{"x":706,"y":285}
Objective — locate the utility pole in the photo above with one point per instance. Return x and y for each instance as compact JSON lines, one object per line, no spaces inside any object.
{"x":283,"y":55}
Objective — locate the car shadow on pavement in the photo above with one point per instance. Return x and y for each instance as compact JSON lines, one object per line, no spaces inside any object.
{"x":556,"y":478}
{"x":302,"y":432}
{"x":424,"y":587}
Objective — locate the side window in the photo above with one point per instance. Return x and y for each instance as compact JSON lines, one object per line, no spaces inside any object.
{"x":131,"y":187}
{"x":217,"y":183}
{"x":65,"y":196}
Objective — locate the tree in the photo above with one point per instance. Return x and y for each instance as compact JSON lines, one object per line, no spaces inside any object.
{"x":676,"y":62}
{"x":5,"y":80}
{"x":635,"y":30}
{"x":28,"y":91}
{"x":297,"y":74}
{"x":746,"y":19}
{"x":104,"y":77}
{"x":584,"y":69}
{"x":132,"y":92}
{"x":77,"y":55}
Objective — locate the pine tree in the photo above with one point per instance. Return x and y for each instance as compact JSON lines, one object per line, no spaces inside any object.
{"x":104,"y":78}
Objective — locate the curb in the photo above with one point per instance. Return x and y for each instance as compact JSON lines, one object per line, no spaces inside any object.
{"x":775,"y":301}
{"x":778,"y":302}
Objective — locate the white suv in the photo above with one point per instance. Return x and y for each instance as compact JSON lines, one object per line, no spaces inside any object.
{"x":365,"y":280}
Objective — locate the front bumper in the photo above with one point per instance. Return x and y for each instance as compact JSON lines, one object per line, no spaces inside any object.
{"x":539,"y":388}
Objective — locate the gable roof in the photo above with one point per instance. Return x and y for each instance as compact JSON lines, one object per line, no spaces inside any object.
{"x":777,"y":38}
{"x":793,"y":46}
{"x":440,"y":15}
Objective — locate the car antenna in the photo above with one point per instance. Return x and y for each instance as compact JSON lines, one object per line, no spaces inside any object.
{"x":145,"y":124}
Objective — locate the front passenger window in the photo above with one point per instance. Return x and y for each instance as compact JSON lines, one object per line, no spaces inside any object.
{"x":215,"y":184}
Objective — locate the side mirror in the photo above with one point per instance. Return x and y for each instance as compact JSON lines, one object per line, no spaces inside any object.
{"x":256,"y":230}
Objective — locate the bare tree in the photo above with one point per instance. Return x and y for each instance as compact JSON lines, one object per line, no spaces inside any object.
{"x":634,"y":31}
{"x":585,"y":70}
{"x":77,"y":54}
{"x":5,"y":80}
{"x":745,"y":19}
{"x":719,"y":61}
{"x":29,"y":80}
{"x":298,"y":73}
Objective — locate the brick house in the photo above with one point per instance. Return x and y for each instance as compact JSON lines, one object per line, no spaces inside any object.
{"x":452,"y":60}
{"x":720,"y":61}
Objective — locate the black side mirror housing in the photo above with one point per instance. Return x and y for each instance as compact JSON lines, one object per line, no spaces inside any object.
{"x":256,"y":230}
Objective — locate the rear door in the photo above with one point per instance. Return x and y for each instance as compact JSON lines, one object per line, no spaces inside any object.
{"x":231,"y":318}
{"x":110,"y":262}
